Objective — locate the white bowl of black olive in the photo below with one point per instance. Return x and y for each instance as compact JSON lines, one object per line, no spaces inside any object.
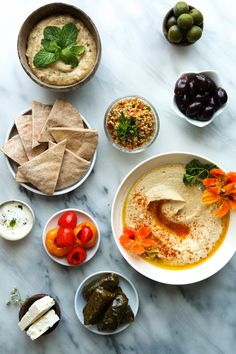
{"x":199,"y":97}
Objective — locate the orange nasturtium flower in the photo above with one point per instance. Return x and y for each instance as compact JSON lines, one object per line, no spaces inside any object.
{"x":220,"y":189}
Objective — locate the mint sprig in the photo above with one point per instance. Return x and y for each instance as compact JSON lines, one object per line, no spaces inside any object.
{"x":59,"y":44}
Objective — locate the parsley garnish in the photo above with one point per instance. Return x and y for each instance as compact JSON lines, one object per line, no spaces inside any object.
{"x":127,"y":127}
{"x":196,"y":172}
{"x":59,"y":44}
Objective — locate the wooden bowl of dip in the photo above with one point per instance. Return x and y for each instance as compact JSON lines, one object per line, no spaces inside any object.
{"x":43,"y":13}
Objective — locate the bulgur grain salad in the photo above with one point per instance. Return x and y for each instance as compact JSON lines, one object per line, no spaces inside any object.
{"x":131,"y":123}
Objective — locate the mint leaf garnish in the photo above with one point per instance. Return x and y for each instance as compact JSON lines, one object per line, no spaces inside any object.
{"x":59,"y":44}
{"x":44,"y":58}
{"x":50,"y":46}
{"x":77,"y":50}
{"x":68,"y":35}
{"x":68,"y":58}
{"x":52,"y":33}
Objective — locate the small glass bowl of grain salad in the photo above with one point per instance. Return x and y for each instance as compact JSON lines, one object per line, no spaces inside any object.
{"x":131,"y":124}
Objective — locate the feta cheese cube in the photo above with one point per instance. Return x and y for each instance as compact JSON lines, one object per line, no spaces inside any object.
{"x":42,"y":324}
{"x":36,"y":310}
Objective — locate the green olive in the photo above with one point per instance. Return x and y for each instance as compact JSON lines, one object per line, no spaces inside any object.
{"x":197,"y":17}
{"x":194,"y":34}
{"x":174,"y":34}
{"x":171,"y":22}
{"x":180,"y":8}
{"x":185,"y":21}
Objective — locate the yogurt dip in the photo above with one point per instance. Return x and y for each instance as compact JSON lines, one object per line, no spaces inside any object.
{"x":16,"y":220}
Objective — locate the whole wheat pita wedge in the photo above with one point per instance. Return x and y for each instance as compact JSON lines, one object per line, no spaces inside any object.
{"x":24,"y":127}
{"x":63,"y":114}
{"x":43,"y":170}
{"x":73,"y":168}
{"x":20,"y":177}
{"x":40,"y":113}
{"x":14,"y":149}
{"x":82,"y":142}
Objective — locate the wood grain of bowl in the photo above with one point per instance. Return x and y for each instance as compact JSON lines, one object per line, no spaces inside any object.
{"x":50,"y":10}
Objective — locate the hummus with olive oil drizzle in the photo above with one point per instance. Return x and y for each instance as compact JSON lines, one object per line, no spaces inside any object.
{"x":59,"y":73}
{"x":185,"y":230}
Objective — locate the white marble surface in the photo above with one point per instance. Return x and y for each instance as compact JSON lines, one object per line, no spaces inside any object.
{"x":136,"y":59}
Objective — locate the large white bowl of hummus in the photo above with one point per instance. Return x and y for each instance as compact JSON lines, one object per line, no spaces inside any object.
{"x":199,"y":248}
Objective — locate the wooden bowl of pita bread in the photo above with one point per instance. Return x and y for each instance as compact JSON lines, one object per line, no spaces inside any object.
{"x":56,"y":164}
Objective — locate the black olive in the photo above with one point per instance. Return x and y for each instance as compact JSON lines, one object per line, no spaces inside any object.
{"x":214,"y":102}
{"x":221,"y":95}
{"x":182,"y":85}
{"x":194,"y":110}
{"x":207,"y":113}
{"x":180,"y":103}
{"x":201,"y":83}
{"x":192,"y":88}
{"x":203,"y":98}
{"x":211,"y":85}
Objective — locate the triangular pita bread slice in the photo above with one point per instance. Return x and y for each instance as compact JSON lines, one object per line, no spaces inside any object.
{"x":82,"y":142}
{"x":20,"y":177}
{"x":24,"y":127}
{"x":72,"y":170}
{"x":40,"y":113}
{"x":63,"y":114}
{"x":14,"y":149}
{"x":43,"y":170}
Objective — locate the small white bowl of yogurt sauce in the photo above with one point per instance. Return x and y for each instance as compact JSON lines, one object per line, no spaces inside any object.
{"x":16,"y":220}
